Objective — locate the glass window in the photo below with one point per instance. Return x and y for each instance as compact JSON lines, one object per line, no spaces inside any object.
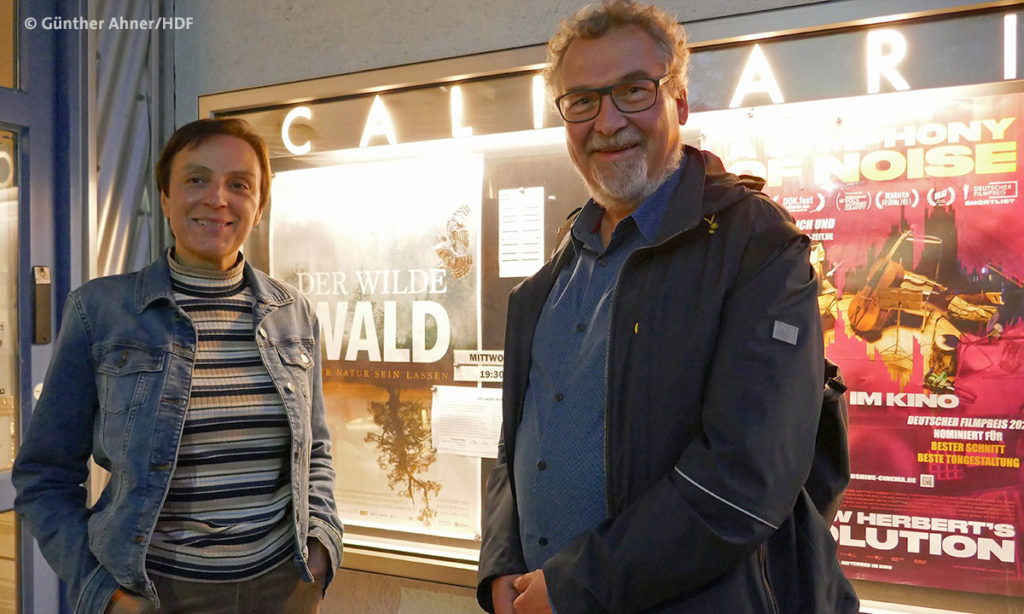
{"x":8,"y":562}
{"x":8,"y":44}
{"x":380,"y":189}
{"x":8,"y":297}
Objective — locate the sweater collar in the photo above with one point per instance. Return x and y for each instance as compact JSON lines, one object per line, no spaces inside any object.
{"x":154,"y":284}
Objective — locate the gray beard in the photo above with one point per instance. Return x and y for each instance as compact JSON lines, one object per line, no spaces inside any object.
{"x":624,"y":185}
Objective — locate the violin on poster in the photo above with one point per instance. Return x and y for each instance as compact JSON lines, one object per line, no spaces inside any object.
{"x":864,"y":312}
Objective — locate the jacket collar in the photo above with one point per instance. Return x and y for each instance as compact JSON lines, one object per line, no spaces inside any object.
{"x":704,"y":189}
{"x":154,"y":283}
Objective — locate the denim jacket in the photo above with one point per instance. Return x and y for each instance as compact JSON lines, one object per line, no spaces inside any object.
{"x":117,"y":389}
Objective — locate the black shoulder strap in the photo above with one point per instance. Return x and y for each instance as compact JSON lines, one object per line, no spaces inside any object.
{"x":830,"y":471}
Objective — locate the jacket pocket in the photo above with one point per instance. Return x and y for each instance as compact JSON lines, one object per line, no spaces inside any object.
{"x":124,"y":377}
{"x":762,"y":559}
{"x":297,"y":358}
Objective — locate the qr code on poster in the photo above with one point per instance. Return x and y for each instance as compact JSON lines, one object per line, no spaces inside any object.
{"x":927,"y":480}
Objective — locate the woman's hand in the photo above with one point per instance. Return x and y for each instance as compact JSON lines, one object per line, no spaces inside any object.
{"x":123,"y":602}
{"x":319,"y":560}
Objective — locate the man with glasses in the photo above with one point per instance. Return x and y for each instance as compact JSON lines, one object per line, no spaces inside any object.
{"x":662,"y":385}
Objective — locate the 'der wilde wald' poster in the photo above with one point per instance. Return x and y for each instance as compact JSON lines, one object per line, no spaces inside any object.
{"x":386,"y":252}
{"x":913,"y":206}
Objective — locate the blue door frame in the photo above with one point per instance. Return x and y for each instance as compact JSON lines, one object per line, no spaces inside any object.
{"x":46,"y":113}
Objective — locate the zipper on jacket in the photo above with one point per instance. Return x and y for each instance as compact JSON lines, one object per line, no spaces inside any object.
{"x":609,"y":506}
{"x":608,"y":503}
{"x":610,"y":509}
{"x":607,"y":394}
{"x":762,"y":559}
{"x":669,"y":241}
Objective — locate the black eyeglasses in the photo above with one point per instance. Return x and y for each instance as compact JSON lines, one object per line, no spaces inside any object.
{"x":630,"y":96}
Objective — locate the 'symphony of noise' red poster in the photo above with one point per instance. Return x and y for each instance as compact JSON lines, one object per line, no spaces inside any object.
{"x":912,"y":202}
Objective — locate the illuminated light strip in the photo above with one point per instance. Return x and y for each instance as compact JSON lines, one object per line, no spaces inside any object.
{"x":539,"y":98}
{"x":1010,"y":46}
{"x":9,"y":181}
{"x":881,"y":607}
{"x":449,"y":146}
{"x":458,"y":130}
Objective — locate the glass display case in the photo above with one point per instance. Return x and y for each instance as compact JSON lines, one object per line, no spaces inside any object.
{"x":408,"y":201}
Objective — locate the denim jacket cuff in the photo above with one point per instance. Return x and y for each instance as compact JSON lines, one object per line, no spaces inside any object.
{"x":96,"y":592}
{"x":331,"y":539}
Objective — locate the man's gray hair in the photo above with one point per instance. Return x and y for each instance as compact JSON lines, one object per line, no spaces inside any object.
{"x":596,"y":20}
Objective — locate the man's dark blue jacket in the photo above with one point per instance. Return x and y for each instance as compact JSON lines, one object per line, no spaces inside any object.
{"x":714,"y":392}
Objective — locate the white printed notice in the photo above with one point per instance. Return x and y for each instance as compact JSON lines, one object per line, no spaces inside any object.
{"x":479,"y":365}
{"x":520,"y":231}
{"x":466,"y":421}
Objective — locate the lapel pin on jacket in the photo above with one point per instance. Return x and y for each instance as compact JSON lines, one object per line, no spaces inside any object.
{"x":712,"y":224}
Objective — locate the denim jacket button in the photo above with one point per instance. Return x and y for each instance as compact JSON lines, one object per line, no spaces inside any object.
{"x":304,"y":358}
{"x":289,"y":387}
{"x":263,"y":333}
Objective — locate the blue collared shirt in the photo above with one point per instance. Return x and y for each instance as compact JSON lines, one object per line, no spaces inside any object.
{"x":560,"y":443}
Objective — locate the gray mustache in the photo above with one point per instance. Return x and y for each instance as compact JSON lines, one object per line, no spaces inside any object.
{"x":625,"y":137}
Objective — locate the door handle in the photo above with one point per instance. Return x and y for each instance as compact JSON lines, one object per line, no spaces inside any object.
{"x":42,"y":325}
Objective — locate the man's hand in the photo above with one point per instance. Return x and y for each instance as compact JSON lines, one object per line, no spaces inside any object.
{"x":503,"y":593}
{"x":533,"y":594}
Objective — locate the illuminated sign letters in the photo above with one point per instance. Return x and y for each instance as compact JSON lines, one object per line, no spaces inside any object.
{"x":286,"y":125}
{"x":757,"y":77}
{"x":378,"y":123}
{"x":884,"y":51}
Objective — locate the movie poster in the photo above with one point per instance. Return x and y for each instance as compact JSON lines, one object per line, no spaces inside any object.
{"x":912,"y":203}
{"x":387,"y":253}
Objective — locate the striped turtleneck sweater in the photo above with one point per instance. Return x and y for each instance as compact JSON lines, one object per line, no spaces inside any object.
{"x":227,"y":516}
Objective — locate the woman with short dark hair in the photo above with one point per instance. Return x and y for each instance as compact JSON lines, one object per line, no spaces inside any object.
{"x":196,"y":383}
